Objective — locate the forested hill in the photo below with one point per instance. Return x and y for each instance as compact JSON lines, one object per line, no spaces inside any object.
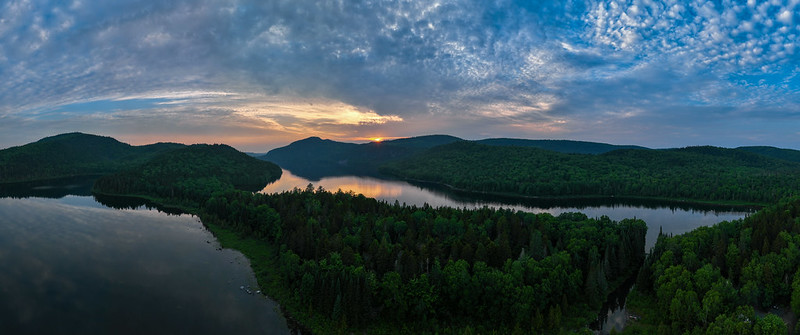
{"x":74,"y":154}
{"x":188,"y":176}
{"x":696,"y":173}
{"x":785,"y":154}
{"x":314,"y":158}
{"x":564,"y":146}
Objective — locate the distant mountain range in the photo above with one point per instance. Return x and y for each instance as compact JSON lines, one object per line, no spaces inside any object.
{"x":78,"y":154}
{"x":692,"y":173}
{"x":425,"y":157}
{"x":563,"y":146}
{"x":314,"y":158}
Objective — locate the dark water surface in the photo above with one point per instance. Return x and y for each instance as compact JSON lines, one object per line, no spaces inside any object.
{"x":71,"y":263}
{"x":74,"y":266}
{"x":673,"y":217}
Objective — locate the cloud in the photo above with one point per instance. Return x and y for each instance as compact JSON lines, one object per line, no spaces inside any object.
{"x":344,"y":68}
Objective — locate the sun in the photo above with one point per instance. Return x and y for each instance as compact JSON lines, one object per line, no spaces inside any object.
{"x":376,"y":139}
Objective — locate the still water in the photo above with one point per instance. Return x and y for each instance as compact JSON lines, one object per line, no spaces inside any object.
{"x":671,"y":217}
{"x":73,"y":266}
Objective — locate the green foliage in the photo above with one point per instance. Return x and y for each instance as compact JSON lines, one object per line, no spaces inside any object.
{"x":785,"y":154}
{"x":364,"y":263}
{"x":712,"y":278}
{"x":74,"y":154}
{"x":563,"y":146}
{"x":701,"y":173}
{"x":315,"y":158}
{"x":190,"y":175}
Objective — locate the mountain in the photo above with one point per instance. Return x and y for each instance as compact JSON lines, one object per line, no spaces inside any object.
{"x":314,"y":158}
{"x":695,"y":173}
{"x":564,"y":146}
{"x":191,"y":174}
{"x":785,"y":154}
{"x":73,"y":154}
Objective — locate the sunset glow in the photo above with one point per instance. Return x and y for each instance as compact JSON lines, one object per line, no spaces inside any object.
{"x":258,"y":77}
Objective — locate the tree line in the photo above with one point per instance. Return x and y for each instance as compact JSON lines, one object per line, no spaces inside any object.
{"x":695,"y":173}
{"x":359,"y":262}
{"x":718,"y":279}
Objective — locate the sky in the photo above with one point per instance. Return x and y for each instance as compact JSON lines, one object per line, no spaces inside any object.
{"x":261,"y":74}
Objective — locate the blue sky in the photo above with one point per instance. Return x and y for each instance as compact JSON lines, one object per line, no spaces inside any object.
{"x":260,"y":74}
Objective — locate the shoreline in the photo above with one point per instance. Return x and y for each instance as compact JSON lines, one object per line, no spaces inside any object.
{"x":721,"y":203}
{"x":260,"y":254}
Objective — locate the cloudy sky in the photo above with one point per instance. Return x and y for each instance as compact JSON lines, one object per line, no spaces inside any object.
{"x":260,"y":74}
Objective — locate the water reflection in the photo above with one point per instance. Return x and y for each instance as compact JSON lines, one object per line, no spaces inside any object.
{"x":368,"y":186}
{"x":53,"y":189}
{"x":61,"y":219}
{"x":613,"y":316}
{"x":74,"y":266}
{"x":673,"y":217}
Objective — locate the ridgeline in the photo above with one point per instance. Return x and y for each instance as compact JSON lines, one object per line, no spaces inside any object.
{"x":701,"y":174}
{"x":72,"y":155}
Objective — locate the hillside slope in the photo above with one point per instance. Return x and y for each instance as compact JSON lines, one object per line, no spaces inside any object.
{"x":73,"y":154}
{"x":190,"y":175}
{"x":696,"y":173}
{"x":563,"y":146}
{"x":314,"y":158}
{"x":785,"y":154}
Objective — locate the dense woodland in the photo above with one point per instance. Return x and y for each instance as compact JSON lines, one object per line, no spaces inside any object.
{"x":315,"y":158}
{"x":359,"y":263}
{"x":342,"y":262}
{"x":188,"y":176}
{"x":719,"y":279}
{"x":695,"y":173}
{"x":349,"y":262}
{"x":74,"y":154}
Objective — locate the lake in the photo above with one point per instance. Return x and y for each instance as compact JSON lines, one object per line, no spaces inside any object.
{"x":670,"y":217}
{"x":74,"y":266}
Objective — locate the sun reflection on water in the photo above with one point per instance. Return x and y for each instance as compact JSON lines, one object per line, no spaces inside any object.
{"x":360,"y":185}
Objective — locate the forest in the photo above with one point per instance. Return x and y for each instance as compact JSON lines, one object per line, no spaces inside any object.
{"x":315,"y":158}
{"x":186,"y":177}
{"x":358,"y":263}
{"x":344,"y":262}
{"x":74,"y":155}
{"x":692,"y":173}
{"x":340,"y":262}
{"x":724,"y":279}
